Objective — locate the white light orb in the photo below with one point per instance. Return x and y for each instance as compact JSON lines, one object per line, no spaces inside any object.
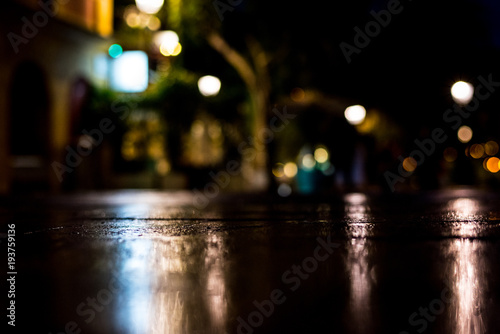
{"x":308,"y":161}
{"x":355,"y":114}
{"x":209,"y":85}
{"x":130,"y":72}
{"x":462,"y":92}
{"x":166,"y":38}
{"x":149,"y":6}
{"x":321,"y":155}
{"x":464,"y":134}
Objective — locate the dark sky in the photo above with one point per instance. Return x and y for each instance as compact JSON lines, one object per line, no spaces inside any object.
{"x":428,"y":42}
{"x":406,"y":70}
{"x":492,"y":16}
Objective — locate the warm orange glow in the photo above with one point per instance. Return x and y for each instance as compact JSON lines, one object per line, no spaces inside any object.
{"x":409,"y":164}
{"x":297,"y":94}
{"x":132,"y":19}
{"x":163,"y":167}
{"x":450,"y":154}
{"x":493,"y":164}
{"x":167,"y":51}
{"x":372,"y":120}
{"x":491,"y":148}
{"x":154,"y":23}
{"x":464,"y":134}
{"x":278,"y":170}
{"x":321,"y":155}
{"x":104,"y":17}
{"x":476,"y":151}
{"x":290,"y":169}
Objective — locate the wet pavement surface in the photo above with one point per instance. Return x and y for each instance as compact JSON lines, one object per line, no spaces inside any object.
{"x":153,"y":262}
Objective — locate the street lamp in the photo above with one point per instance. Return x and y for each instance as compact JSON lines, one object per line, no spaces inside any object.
{"x":464,"y":134}
{"x":209,"y":85}
{"x":355,"y":114}
{"x":167,"y":42}
{"x":462,"y":92}
{"x":149,"y":6}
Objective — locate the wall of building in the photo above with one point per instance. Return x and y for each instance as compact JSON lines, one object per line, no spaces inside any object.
{"x":64,"y":53}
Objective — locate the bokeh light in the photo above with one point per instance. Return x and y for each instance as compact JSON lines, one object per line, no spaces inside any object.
{"x":278,"y":170}
{"x":209,"y":85}
{"x":149,"y":6}
{"x":409,"y":164}
{"x":297,"y":94}
{"x":355,"y":114}
{"x":492,"y":164}
{"x":130,"y":72}
{"x":464,"y":134}
{"x":450,"y":154}
{"x":154,"y":23}
{"x":462,"y":92}
{"x":168,"y":42}
{"x":491,"y":148}
{"x":321,"y":155}
{"x":167,"y":37}
{"x":327,"y":168}
{"x":167,"y":51}
{"x":476,"y":151}
{"x":308,"y":161}
{"x":162,"y":167}
{"x":115,"y":50}
{"x":131,"y":16}
{"x":290,"y":169}
{"x":284,"y":190}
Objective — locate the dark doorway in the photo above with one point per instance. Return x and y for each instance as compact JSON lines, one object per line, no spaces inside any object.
{"x":29,"y":128}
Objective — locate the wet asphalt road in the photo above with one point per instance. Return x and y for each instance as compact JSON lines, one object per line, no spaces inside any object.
{"x":152,"y":262}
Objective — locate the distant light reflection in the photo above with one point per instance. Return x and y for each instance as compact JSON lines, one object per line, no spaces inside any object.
{"x":216,"y":287}
{"x":468,"y":283}
{"x":463,"y":208}
{"x":468,"y":271}
{"x":133,"y":210}
{"x":134,"y":313}
{"x":165,"y":290}
{"x":356,"y":208}
{"x":464,"y":213}
{"x":358,"y":261}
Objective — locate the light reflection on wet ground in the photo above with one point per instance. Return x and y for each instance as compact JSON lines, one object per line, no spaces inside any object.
{"x":404,"y":264}
{"x":467,"y":268}
{"x":358,"y":261}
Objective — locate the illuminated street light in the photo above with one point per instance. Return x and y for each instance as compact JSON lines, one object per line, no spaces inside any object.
{"x":129,"y":72}
{"x":167,"y":42}
{"x":209,"y":85}
{"x":492,"y":164}
{"x":290,"y":169}
{"x":149,"y":6}
{"x":462,"y":92}
{"x":355,"y":114}
{"x":308,"y":161}
{"x":464,"y":134}
{"x":321,"y":155}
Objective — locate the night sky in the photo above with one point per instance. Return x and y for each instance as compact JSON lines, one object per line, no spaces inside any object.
{"x":406,"y":69}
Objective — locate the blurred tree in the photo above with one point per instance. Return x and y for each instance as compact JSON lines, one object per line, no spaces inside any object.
{"x":250,"y":61}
